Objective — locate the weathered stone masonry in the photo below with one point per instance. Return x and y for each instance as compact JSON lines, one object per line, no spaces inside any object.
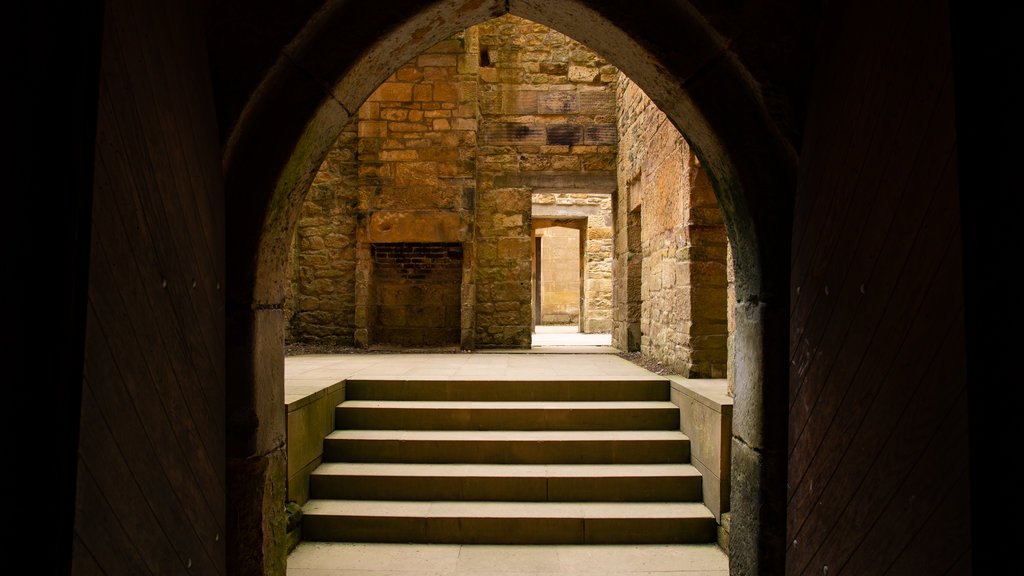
{"x":321,"y":301}
{"x":480,"y":142}
{"x":671,"y":282}
{"x":547,"y":128}
{"x":453,"y":149}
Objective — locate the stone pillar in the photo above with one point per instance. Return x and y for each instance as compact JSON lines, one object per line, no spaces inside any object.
{"x":504,"y":268}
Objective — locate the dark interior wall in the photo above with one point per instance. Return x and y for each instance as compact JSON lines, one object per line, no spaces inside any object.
{"x":51,"y":57}
{"x":985,"y":47}
{"x":151,"y":465}
{"x":416,"y":289}
{"x":878,"y":464}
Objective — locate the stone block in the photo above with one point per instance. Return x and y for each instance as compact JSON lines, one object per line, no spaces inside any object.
{"x":372,"y":129}
{"x":416,"y":174}
{"x":405,"y":127}
{"x":564,"y":134}
{"x":554,"y":68}
{"x":446,"y":91}
{"x":308,"y":419}
{"x":394,"y":92}
{"x":409,"y":74}
{"x":558,"y":102}
{"x":597,"y":102}
{"x":422,"y":92}
{"x":441,"y":60}
{"x":510,"y":133}
{"x":436,"y":73}
{"x":414,"y":227}
{"x":583,"y":74}
{"x":398,"y":156}
{"x":601,"y":134}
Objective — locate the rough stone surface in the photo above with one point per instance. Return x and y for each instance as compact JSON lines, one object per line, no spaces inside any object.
{"x":424,"y":163}
{"x":671,"y":288}
{"x":590,"y":214}
{"x":559,"y":277}
{"x":487,"y":138}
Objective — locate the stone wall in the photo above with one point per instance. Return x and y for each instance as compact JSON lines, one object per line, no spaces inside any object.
{"x":417,"y":165}
{"x":320,"y":304}
{"x":450,"y":149}
{"x":491,"y":134}
{"x":675,"y":236}
{"x":559,"y":276}
{"x":547,"y":125}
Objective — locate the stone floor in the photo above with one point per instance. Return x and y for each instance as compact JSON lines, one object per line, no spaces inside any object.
{"x":341,"y":559}
{"x":558,"y":351}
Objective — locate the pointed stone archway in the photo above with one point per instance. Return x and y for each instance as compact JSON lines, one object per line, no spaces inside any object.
{"x":284,"y":128}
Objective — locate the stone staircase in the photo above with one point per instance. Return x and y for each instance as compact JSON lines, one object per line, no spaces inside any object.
{"x":499,"y":462}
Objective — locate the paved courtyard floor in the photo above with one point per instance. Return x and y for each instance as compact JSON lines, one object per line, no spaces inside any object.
{"x":340,"y":559}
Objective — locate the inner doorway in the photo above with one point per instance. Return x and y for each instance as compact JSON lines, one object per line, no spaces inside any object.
{"x":559,"y":298}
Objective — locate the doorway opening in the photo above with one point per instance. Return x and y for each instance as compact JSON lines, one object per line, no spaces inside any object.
{"x":559,"y":277}
{"x":721,"y":136}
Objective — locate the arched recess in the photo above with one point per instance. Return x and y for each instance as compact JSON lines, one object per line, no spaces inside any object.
{"x":319,"y":79}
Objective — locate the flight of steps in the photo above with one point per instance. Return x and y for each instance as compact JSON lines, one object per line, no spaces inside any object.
{"x":525,"y":462}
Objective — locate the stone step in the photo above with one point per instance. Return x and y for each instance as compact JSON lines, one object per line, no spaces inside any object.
{"x":510,"y":482}
{"x":450,"y":415}
{"x":497,"y":390}
{"x":508,"y":447}
{"x":507,"y":522}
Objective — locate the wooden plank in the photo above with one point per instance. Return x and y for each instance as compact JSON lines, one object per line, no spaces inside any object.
{"x":139,"y":450}
{"x":844,"y":346}
{"x":897,"y":468}
{"x":825,"y":164}
{"x":138,"y":279}
{"x":155,"y":443}
{"x":924,"y":537}
{"x":866,"y":422}
{"x":104,"y":540}
{"x":875,"y":182}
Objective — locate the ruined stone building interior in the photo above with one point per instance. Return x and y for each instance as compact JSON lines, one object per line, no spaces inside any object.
{"x":791,"y":207}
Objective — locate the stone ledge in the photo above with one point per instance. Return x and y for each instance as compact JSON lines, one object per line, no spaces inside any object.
{"x":309,"y":418}
{"x":706,"y":418}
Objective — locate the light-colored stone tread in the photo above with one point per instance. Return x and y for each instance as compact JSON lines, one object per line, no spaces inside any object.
{"x":463,"y":509}
{"x":506,"y":470}
{"x":508,"y":435}
{"x":486,"y":405}
{"x":487,"y":378}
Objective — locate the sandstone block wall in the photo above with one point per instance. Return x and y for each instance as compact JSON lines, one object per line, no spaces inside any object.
{"x":504,"y":269}
{"x":480,"y":142}
{"x":559,"y":280}
{"x":671,"y":263}
{"x":547,"y":126}
{"x":321,"y":301}
{"x":416,"y":186}
{"x":450,"y":150}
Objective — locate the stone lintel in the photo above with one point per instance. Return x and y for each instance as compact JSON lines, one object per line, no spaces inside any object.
{"x":414,"y":227}
{"x":560,"y":212}
{"x":590,"y":182}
